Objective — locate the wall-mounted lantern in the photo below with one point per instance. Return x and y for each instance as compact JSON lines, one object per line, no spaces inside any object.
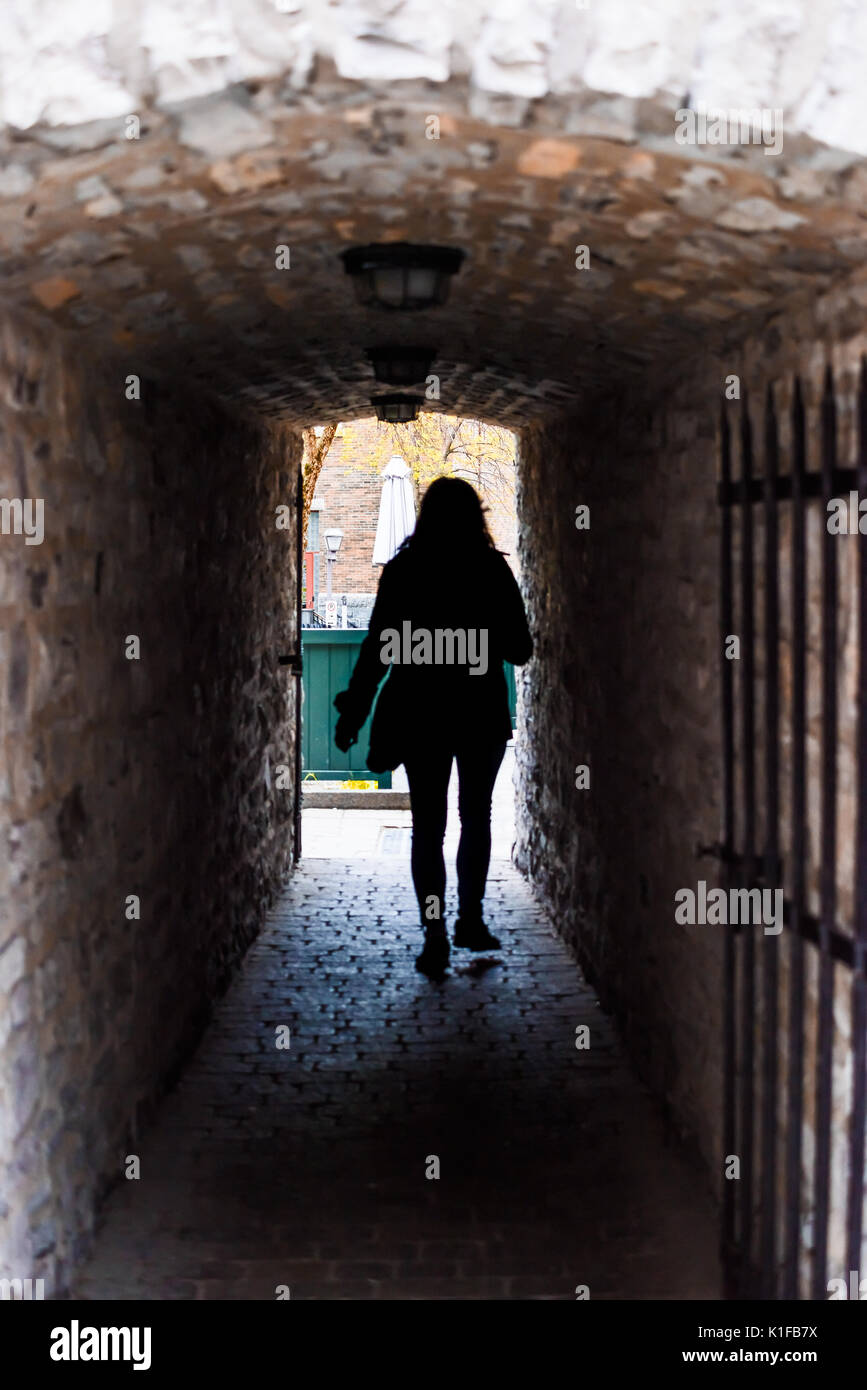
{"x":396,"y":275}
{"x":397,"y":410}
{"x":397,"y":365}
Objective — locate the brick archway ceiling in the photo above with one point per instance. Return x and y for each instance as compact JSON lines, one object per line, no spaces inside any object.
{"x":162,"y":249}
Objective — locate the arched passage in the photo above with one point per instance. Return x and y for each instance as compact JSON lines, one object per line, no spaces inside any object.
{"x":176,"y":312}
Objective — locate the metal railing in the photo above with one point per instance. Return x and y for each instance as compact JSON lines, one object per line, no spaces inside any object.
{"x":777,"y":1080}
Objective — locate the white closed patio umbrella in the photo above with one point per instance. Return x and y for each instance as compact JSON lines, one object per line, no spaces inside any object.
{"x":396,"y":510}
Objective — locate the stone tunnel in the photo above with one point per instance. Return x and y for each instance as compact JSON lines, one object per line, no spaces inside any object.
{"x":658,"y":314}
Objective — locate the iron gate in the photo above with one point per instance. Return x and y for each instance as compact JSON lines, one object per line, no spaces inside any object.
{"x":793,"y":1115}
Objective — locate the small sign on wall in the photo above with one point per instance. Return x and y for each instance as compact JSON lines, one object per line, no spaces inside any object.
{"x":331,"y":612}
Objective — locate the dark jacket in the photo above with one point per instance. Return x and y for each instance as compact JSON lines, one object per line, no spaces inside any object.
{"x":470,"y":607}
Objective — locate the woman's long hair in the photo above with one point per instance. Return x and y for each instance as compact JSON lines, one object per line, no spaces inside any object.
{"x":451,"y":519}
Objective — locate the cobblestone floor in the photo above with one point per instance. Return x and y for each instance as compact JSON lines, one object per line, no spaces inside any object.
{"x":307,"y":1167}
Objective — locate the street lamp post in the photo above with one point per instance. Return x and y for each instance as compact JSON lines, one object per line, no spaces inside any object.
{"x":333,"y":539}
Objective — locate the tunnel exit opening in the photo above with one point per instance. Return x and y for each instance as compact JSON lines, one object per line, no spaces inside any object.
{"x":364,"y":501}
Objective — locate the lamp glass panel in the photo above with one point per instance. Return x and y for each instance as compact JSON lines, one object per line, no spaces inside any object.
{"x":388,"y":285}
{"x":422,"y":285}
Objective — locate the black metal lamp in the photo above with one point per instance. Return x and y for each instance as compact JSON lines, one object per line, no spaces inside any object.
{"x":397,"y":410}
{"x":333,"y":540}
{"x":401,"y":366}
{"x":396,"y":275}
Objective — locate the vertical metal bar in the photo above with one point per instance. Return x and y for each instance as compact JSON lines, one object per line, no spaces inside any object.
{"x":771,"y":873}
{"x":728,"y":841}
{"x":748,"y":983}
{"x":859,"y":980}
{"x":795,"y":1089}
{"x":299,"y":560}
{"x":828,"y":870}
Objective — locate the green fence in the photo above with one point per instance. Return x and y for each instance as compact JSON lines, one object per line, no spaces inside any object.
{"x":329,"y":657}
{"x":513,"y":693}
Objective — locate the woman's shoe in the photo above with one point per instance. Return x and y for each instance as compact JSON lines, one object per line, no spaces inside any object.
{"x":435,"y":954}
{"x":474,"y":936}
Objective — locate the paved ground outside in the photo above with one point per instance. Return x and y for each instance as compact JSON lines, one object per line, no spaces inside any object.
{"x":308,"y":1168}
{"x":359,"y":834}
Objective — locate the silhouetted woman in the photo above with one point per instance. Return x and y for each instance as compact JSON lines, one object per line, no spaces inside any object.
{"x":448,"y":613}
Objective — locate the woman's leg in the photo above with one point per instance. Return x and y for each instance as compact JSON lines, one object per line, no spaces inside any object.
{"x":477,"y":773}
{"x":428,"y":777}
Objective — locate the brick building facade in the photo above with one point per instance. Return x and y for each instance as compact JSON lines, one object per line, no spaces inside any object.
{"x":347,"y":497}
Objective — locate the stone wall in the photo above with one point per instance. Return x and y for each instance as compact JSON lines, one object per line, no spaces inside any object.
{"x":154,"y":777}
{"x":629,"y":611}
{"x":597,"y":242}
{"x":621,"y":62}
